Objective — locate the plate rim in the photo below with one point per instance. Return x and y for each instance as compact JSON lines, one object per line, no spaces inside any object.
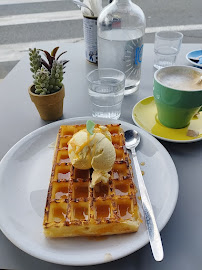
{"x":159,"y":137}
{"x":193,"y":63}
{"x":34,"y":253}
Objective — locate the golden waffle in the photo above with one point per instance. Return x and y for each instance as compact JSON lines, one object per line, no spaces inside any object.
{"x":73,"y":208}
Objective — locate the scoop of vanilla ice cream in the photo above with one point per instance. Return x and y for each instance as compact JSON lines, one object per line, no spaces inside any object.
{"x":99,"y":176}
{"x":104,"y":154}
{"x":104,"y":130}
{"x":93,"y":151}
{"x":79,"y":150}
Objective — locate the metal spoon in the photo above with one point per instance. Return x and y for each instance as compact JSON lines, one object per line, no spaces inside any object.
{"x":196,"y":59}
{"x":132,"y":140}
{"x":81,"y":4}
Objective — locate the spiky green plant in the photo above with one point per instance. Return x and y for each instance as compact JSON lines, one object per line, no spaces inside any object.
{"x":35,"y":60}
{"x":41,"y":82}
{"x":48,"y":75}
{"x":56,"y":76}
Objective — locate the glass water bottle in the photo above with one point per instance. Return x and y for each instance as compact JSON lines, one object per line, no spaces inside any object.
{"x":121,"y":27}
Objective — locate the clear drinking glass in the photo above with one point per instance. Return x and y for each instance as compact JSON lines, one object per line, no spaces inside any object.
{"x":166,"y":48}
{"x":106,"y":90}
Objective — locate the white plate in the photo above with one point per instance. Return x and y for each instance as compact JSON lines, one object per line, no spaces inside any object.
{"x":24,"y":179}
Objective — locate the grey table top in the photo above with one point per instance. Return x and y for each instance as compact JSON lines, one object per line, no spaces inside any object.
{"x":182,"y":236}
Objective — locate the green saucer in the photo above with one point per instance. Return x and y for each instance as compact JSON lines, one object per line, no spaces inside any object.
{"x":144,"y":115}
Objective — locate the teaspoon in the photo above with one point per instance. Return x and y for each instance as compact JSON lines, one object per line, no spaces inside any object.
{"x":132,"y":140}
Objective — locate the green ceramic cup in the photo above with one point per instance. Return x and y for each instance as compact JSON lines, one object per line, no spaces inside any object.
{"x":177,"y":95}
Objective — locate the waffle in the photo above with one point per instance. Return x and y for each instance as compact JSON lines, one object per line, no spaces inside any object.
{"x":73,"y":208}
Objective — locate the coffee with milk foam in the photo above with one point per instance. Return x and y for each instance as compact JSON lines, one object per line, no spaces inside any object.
{"x":181,"y":79}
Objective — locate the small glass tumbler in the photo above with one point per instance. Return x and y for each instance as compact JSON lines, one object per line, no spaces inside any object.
{"x":166,"y":48}
{"x":106,"y":90}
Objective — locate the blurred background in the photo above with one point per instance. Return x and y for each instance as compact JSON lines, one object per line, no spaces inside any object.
{"x":25,"y":23}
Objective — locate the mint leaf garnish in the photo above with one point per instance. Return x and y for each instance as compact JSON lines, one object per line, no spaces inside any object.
{"x":90,"y":126}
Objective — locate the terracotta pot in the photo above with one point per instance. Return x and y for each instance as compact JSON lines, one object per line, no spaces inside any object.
{"x":50,"y":107}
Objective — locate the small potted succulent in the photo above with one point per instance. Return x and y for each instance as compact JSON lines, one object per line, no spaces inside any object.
{"x":47,"y":91}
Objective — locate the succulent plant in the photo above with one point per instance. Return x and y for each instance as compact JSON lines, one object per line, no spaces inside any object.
{"x":35,"y":60}
{"x":51,"y":57}
{"x":56,"y":76}
{"x":48,"y":75}
{"x":41,"y":82}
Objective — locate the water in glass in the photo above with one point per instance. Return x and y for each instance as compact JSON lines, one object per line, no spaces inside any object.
{"x":121,"y":27}
{"x":166,"y":48}
{"x":165,"y":56}
{"x":122,"y":49}
{"x":106,"y":98}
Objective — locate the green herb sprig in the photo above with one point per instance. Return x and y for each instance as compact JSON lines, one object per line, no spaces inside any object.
{"x":90,"y":125}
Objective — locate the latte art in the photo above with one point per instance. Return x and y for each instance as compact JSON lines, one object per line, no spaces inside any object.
{"x":181,"y":79}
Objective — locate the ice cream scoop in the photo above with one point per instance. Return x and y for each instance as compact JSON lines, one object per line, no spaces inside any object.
{"x":93,"y":151}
